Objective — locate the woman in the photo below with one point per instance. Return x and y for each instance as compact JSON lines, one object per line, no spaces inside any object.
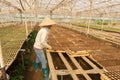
{"x":41,"y":43}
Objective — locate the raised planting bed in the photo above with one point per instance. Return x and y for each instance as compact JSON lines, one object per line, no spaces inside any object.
{"x":12,"y":39}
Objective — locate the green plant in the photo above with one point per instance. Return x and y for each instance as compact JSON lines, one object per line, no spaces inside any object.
{"x":31,"y":40}
{"x":27,"y":62}
{"x":98,"y":27}
{"x":17,"y":72}
{"x":18,"y":77}
{"x":32,"y":37}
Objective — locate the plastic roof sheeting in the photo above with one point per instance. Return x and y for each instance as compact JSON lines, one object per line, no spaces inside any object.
{"x":104,"y":8}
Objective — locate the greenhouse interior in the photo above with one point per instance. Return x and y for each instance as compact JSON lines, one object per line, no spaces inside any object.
{"x":84,"y":41}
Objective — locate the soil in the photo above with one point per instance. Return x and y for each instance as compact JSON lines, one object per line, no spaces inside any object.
{"x":62,"y":39}
{"x":31,"y":74}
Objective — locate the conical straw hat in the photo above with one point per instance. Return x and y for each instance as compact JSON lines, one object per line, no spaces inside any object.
{"x":47,"y":21}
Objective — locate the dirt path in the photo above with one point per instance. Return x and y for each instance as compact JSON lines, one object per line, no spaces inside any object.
{"x":31,"y":74}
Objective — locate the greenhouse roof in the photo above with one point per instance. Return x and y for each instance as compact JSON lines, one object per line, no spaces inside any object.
{"x":97,"y":8}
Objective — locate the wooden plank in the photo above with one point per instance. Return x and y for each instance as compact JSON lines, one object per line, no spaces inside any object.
{"x":54,"y":51}
{"x":79,"y":53}
{"x":69,"y":70}
{"x":80,"y":68}
{"x":104,"y":77}
{"x":77,"y":71}
{"x":93,"y":65}
{"x":62,"y":72}
{"x":53,"y":74}
{"x":97,"y":63}
{"x":68,"y":66}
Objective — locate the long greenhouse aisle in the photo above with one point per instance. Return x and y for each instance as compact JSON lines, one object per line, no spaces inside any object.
{"x":63,"y":39}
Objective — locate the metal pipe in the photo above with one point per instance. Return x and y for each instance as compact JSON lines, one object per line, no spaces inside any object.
{"x":90,"y":15}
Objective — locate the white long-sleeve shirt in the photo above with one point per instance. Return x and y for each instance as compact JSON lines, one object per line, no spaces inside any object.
{"x":41,"y":38}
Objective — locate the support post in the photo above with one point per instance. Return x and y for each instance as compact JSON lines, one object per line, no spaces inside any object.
{"x":102,"y":25}
{"x":21,"y":17}
{"x":22,"y":56}
{"x":90,"y":15}
{"x":26,"y":25}
{"x":36,"y":11}
{"x":31,"y":19}
{"x":51,"y":14}
{"x":71,"y":14}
